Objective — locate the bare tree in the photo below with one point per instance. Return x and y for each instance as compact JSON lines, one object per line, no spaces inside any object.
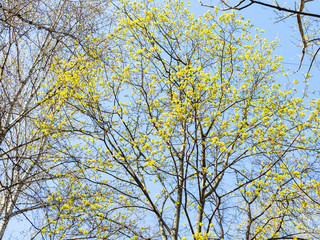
{"x":33,"y":34}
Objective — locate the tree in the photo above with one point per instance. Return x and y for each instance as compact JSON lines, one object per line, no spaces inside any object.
{"x":307,"y":20}
{"x":33,"y":34}
{"x":179,"y":130}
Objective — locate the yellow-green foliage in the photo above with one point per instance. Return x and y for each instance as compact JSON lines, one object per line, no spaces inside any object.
{"x":182,"y":116}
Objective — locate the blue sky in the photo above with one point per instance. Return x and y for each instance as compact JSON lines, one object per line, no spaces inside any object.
{"x":262,"y":18}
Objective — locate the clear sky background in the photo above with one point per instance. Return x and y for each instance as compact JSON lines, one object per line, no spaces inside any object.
{"x":262,"y":18}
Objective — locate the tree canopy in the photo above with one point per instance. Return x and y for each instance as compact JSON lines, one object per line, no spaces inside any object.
{"x":154,"y":124}
{"x":180,"y":130}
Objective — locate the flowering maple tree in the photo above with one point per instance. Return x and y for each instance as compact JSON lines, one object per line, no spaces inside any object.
{"x":179,"y":130}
